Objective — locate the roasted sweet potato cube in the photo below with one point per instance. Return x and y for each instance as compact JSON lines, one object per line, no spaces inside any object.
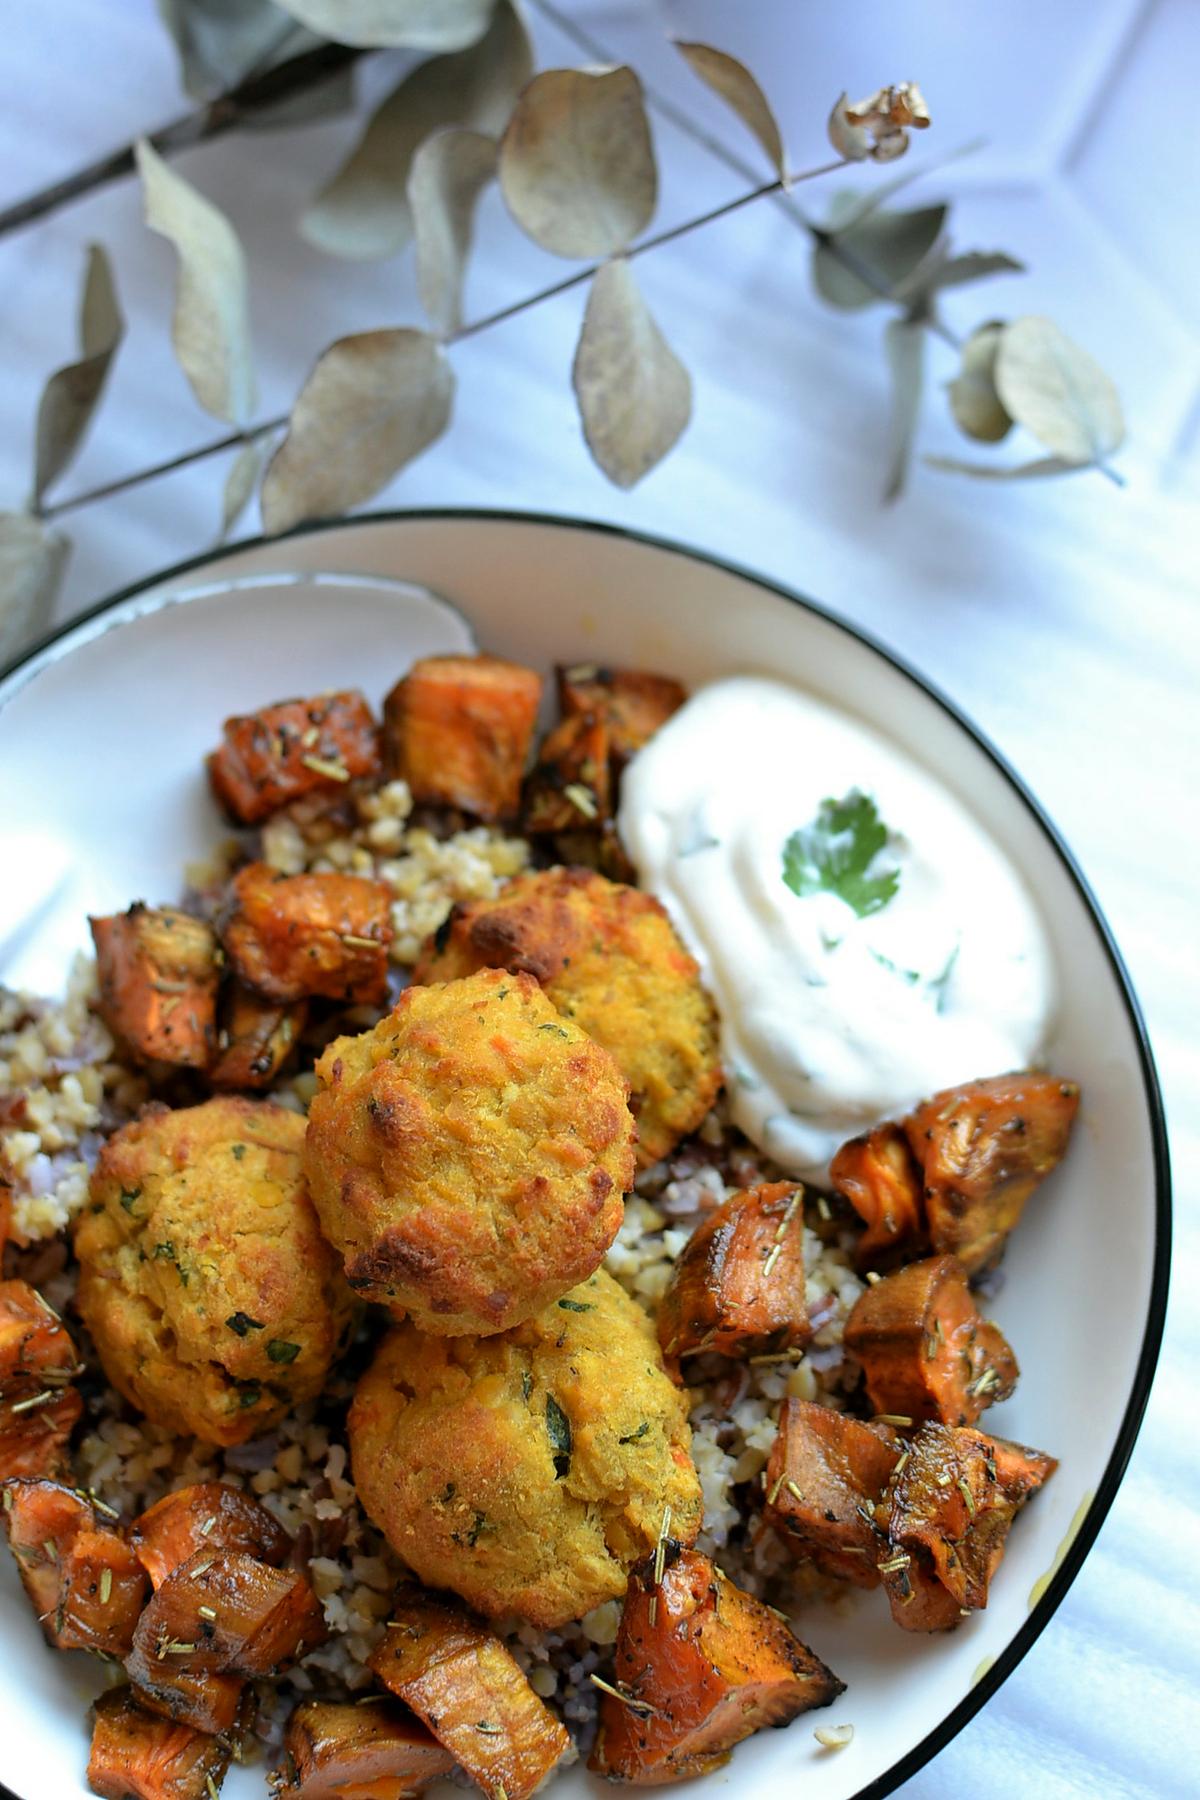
{"x":926,"y":1351}
{"x":35,"y":1442}
{"x":881,"y":1178}
{"x":372,"y":1751}
{"x":36,"y":1349}
{"x":255,"y":1037}
{"x":224,"y":1612}
{"x":42,"y":1520}
{"x":136,"y":1755}
{"x":632,"y":702}
{"x":206,"y":1701}
{"x":458,"y":730}
{"x":825,"y":1476}
{"x":268,"y":758}
{"x":600,"y":850}
{"x":289,"y":936}
{"x":951,"y":1502}
{"x":699,"y":1665}
{"x":86,"y":1585}
{"x":158,"y":974}
{"x":38,"y":1406}
{"x":738,"y":1287}
{"x":569,"y":787}
{"x":210,"y":1515}
{"x":983,"y":1148}
{"x":461,"y":1681}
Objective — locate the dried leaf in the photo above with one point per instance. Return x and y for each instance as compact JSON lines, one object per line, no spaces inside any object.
{"x":240,"y":483}
{"x":972,"y":265}
{"x":850,"y":204}
{"x":364,"y":211}
{"x":448,"y":174}
{"x":576,"y":162}
{"x":415,"y":24}
{"x":371,"y":403}
{"x":891,"y":244}
{"x":72,"y":393}
{"x":635,"y":396}
{"x":1045,"y":465}
{"x":221,"y":42}
{"x":1058,"y":392}
{"x":211,"y":327}
{"x":32,"y":562}
{"x":732,"y":80}
{"x":977,"y":407}
{"x":904,"y":341}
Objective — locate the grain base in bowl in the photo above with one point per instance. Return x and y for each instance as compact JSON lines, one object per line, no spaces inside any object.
{"x":425,"y":860}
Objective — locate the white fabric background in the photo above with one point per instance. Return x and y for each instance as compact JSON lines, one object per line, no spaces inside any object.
{"x":1062,"y":616}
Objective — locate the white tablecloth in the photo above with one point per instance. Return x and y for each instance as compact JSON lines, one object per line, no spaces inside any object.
{"x":1062,"y":616}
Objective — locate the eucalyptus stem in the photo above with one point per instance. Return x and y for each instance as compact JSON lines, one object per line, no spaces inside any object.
{"x":682,"y":120}
{"x":253,"y":95}
{"x":231,"y":440}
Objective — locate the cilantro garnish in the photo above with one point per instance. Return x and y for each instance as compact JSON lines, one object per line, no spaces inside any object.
{"x":834,"y":853}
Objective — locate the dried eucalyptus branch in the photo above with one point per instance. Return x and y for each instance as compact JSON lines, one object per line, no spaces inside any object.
{"x":577,"y":278}
{"x":572,"y":153}
{"x":240,"y":106}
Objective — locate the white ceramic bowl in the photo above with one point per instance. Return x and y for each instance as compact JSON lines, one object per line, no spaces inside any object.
{"x":102,"y":798}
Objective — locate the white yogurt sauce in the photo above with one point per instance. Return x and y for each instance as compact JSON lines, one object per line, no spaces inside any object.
{"x":831,"y":1021}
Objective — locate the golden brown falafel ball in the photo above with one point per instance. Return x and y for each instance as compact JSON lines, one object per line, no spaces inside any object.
{"x":528,"y":1472}
{"x":215,"y":1303}
{"x":468,"y":1156}
{"x":609,"y":958}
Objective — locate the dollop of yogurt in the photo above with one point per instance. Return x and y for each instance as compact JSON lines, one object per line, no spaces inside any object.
{"x":835,"y":1012}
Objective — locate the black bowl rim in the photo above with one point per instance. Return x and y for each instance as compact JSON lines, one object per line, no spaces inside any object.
{"x":988,"y":1684}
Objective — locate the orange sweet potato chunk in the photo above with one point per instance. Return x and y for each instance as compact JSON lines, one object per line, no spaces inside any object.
{"x":374,"y":1750}
{"x":632,"y":702}
{"x":699,"y":1665}
{"x":926,"y":1351}
{"x":288,"y":936}
{"x":269,"y":758}
{"x":83,"y":1580}
{"x":206,"y":1701}
{"x":881,"y":1178}
{"x":569,"y":788}
{"x":38,"y":1406}
{"x":951,"y":1502}
{"x":158,"y":975}
{"x":738,"y":1287}
{"x":458,"y":729}
{"x":825,"y":1477}
{"x":136,"y":1755}
{"x":210,"y":1515}
{"x":224,"y":1612}
{"x":983,"y":1148}
{"x":462,"y":1682}
{"x":255,"y":1038}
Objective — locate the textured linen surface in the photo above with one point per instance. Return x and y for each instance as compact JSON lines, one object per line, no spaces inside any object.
{"x":1061,"y":615}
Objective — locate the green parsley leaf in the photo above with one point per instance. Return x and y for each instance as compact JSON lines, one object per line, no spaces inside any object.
{"x":279,"y":1350}
{"x":576,"y":1305}
{"x":558,"y":1429}
{"x":242,"y":1323}
{"x":834,"y":853}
